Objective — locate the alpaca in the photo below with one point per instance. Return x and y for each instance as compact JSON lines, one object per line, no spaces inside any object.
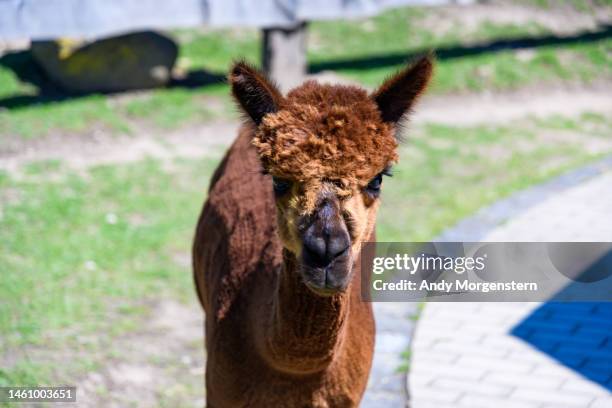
{"x":276,"y":254}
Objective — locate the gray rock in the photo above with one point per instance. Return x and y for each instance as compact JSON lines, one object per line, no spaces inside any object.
{"x":131,"y":61}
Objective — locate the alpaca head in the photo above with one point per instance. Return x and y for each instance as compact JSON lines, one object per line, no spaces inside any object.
{"x":327,"y":149}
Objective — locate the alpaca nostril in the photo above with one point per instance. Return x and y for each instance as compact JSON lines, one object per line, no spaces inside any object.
{"x":336,"y":247}
{"x":316,"y":247}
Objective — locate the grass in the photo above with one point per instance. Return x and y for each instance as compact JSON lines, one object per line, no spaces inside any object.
{"x":458,"y":170}
{"x":179,"y":106}
{"x":580,"y":5}
{"x":82,"y":253}
{"x":458,"y":71}
{"x":116,"y":218}
{"x":404,"y":366}
{"x":399,"y":32}
{"x":404,"y":30}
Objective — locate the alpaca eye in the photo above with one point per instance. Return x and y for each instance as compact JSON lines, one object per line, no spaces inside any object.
{"x":280,"y":186}
{"x":375,"y":183}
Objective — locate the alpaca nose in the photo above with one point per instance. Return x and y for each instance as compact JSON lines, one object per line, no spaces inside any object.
{"x":326,"y":238}
{"x":322,"y":250}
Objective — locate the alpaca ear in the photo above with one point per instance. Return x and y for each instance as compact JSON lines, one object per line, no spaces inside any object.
{"x":255,"y":93}
{"x":397,"y":95}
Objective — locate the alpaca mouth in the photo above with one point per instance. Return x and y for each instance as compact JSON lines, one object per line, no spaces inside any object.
{"x":328,"y":280}
{"x":322,"y":291}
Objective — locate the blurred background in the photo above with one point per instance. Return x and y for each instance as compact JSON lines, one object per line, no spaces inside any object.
{"x":113,"y":118}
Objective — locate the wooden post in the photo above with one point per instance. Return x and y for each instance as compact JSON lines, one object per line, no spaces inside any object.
{"x":284,"y":54}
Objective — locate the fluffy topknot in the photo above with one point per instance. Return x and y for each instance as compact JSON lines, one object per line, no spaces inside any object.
{"x":326,"y":132}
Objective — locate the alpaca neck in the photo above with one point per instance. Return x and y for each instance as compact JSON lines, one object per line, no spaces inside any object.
{"x":304,"y":330}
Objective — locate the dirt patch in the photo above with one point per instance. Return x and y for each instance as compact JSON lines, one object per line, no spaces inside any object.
{"x":499,"y":108}
{"x":101,"y":147}
{"x":561,"y":19}
{"x":588,"y":143}
{"x":160,"y":365}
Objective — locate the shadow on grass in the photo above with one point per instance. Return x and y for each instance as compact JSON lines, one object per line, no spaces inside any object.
{"x":23,"y":65}
{"x":28,"y":71}
{"x":447,"y":53}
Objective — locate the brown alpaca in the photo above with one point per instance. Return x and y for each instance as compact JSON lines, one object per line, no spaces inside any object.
{"x":276,"y":254}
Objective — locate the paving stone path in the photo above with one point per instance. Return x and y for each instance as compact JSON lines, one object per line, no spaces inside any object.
{"x":524,"y":355}
{"x":394,"y":327}
{"x":463,"y":353}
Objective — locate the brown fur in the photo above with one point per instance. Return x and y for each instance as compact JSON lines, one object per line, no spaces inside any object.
{"x":271,"y":340}
{"x":255,"y":93}
{"x":400,"y":92}
{"x":326,"y":132}
{"x":238,"y":278}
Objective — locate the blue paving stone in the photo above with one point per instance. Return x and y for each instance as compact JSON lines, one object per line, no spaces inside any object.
{"x":584,"y":349}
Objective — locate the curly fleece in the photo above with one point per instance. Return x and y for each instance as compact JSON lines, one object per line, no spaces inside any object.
{"x":326,"y":132}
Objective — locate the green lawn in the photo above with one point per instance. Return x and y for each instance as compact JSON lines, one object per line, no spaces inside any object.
{"x":365,"y":50}
{"x":83,"y":253}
